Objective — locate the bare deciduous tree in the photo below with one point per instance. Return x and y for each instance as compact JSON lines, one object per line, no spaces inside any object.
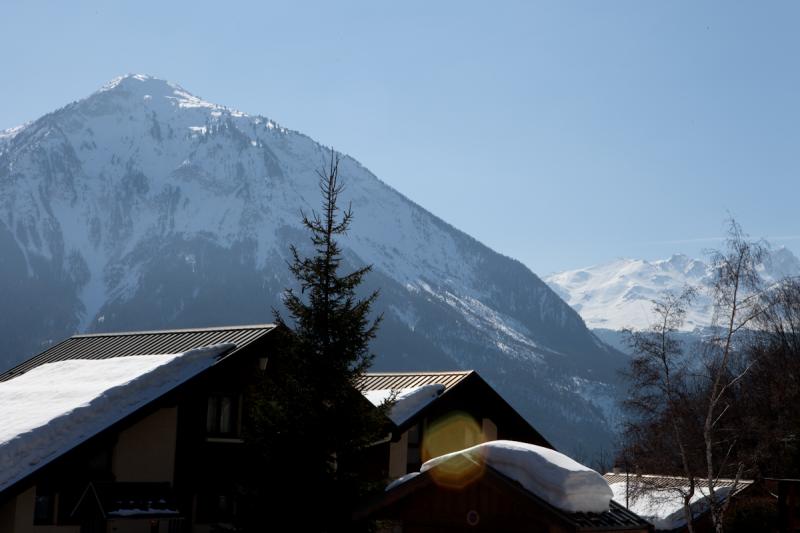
{"x":658,"y":400}
{"x":737,"y":291}
{"x":683,"y":401}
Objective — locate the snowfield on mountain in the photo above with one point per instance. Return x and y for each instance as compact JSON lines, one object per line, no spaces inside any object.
{"x":619,"y":294}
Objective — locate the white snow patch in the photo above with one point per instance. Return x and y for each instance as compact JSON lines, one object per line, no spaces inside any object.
{"x":402,"y":479}
{"x":406,"y":315}
{"x":554,"y":477}
{"x":188,"y":100}
{"x":137,"y":512}
{"x":504,"y":329}
{"x":602,"y":396}
{"x":11,"y":132}
{"x":407,"y":402}
{"x":56,"y":406}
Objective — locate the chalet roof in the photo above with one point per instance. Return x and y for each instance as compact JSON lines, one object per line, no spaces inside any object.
{"x":616,"y":518}
{"x":407,"y":380}
{"x":454,"y":382}
{"x":109,"y":345}
{"x":83,"y":386}
{"x":660,"y":498}
{"x":672,"y":482}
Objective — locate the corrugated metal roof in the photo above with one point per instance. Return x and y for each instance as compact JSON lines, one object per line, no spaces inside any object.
{"x":109,"y":345}
{"x":671,"y":482}
{"x":406,"y":380}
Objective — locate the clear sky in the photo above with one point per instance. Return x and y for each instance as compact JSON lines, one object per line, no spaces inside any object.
{"x":560,"y":133}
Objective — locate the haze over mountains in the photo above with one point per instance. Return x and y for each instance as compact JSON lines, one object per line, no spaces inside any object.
{"x":146,"y":207}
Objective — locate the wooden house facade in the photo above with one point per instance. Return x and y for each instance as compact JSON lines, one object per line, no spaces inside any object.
{"x":467,"y":412}
{"x":462,"y":495}
{"x":168,"y":467}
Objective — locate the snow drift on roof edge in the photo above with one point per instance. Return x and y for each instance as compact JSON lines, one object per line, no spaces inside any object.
{"x":407,"y":402}
{"x":554,"y":477}
{"x":56,"y":406}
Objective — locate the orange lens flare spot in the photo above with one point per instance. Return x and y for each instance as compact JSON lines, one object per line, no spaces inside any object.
{"x":457,"y":473}
{"x":449,"y":434}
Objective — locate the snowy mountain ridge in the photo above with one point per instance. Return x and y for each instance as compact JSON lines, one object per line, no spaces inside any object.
{"x":619,"y":294}
{"x":146,"y":207}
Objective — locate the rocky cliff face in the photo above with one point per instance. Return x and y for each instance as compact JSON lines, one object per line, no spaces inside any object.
{"x":143,"y":206}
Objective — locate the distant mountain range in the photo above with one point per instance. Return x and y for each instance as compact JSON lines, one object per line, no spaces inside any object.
{"x":143,"y":206}
{"x":619,"y":294}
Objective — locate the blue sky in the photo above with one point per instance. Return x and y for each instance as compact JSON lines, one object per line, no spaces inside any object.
{"x":560,"y":133}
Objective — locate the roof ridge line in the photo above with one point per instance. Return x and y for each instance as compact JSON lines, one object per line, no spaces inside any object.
{"x":181,"y":330}
{"x":672,"y":477}
{"x":412,"y":373}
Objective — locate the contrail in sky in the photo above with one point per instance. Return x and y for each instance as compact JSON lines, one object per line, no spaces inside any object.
{"x":719,"y":239}
{"x":686,"y":241}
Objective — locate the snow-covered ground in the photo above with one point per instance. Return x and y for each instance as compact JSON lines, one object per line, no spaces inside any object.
{"x":55,"y":406}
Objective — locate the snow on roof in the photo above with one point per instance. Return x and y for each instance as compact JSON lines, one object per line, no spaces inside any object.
{"x":141,"y":512}
{"x":399,"y":481}
{"x":663,"y":506}
{"x":554,"y":477}
{"x":54,"y":407}
{"x":407,"y":402}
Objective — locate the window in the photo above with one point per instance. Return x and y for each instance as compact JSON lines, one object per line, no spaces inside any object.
{"x":222,"y":416}
{"x":414,"y":457}
{"x":215,"y":506}
{"x":44,"y":506}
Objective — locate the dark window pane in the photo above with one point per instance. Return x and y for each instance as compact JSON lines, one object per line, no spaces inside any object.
{"x":226,"y":415}
{"x":414,"y":451}
{"x":413,"y":435}
{"x":212,"y":415}
{"x":213,"y":506}
{"x":44,"y":508}
{"x":222,"y":416}
{"x":414,"y":459}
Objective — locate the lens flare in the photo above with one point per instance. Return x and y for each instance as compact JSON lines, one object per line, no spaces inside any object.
{"x":449,"y":434}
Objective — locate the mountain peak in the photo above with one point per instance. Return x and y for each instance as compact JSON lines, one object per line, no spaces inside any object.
{"x":144,"y":206}
{"x":781,"y":263}
{"x":141,"y":83}
{"x":157,"y":91}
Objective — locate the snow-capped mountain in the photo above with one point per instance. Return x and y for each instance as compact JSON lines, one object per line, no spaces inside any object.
{"x":620,"y":293}
{"x":143,"y":206}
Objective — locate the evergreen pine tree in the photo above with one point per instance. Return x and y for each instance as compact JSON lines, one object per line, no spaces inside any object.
{"x":308,"y":418}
